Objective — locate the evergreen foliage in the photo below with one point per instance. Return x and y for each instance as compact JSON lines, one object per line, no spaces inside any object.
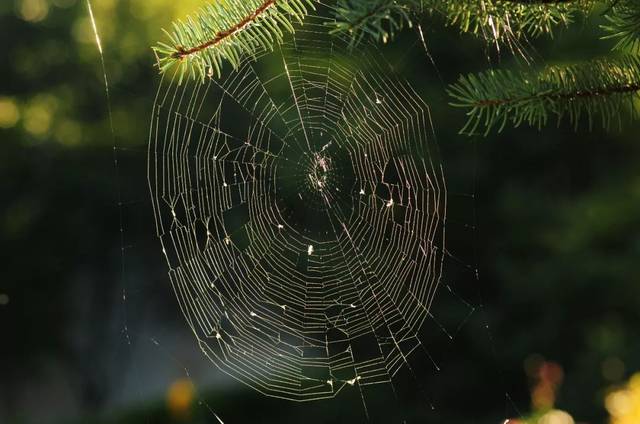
{"x":624,"y":25}
{"x":378,"y":19}
{"x":603,"y":88}
{"x":227,"y":30}
{"x":501,"y":21}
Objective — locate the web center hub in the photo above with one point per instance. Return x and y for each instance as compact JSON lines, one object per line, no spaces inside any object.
{"x":319,"y":171}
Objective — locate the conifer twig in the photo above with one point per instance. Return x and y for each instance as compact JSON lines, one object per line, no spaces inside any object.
{"x":227,"y":31}
{"x":603,"y":88}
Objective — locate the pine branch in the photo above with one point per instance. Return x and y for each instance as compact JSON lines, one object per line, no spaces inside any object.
{"x":379,"y":19}
{"x":504,"y":21}
{"x":498,"y":21}
{"x":227,"y":31}
{"x":624,"y":25}
{"x":603,"y":88}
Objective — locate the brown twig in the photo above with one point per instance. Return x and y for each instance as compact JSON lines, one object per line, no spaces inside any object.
{"x":623,"y":89}
{"x":182,"y":52}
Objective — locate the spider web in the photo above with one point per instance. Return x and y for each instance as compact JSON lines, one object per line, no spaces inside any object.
{"x":301,"y":208}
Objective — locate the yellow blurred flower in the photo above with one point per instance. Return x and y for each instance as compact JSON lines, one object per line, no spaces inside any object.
{"x":549,"y":376}
{"x":38,"y":115}
{"x":624,"y":404}
{"x":180,"y":397}
{"x":9,"y":112}
{"x":38,"y":120}
{"x":33,"y":10}
{"x":556,"y":416}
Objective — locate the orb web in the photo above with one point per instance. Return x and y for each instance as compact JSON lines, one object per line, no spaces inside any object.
{"x":300,"y":203}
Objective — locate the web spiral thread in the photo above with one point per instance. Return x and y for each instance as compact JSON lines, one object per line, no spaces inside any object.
{"x":301,"y":204}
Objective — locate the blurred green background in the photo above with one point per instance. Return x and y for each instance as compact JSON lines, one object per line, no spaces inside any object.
{"x":91,"y":332}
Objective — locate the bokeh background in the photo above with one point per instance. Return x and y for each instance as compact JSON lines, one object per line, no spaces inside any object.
{"x":90,"y":332}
